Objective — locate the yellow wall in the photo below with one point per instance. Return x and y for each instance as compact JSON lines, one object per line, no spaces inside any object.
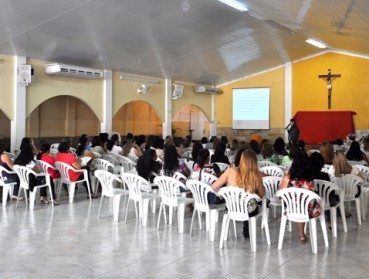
{"x":44,"y":87}
{"x":350,"y":92}
{"x":7,"y":86}
{"x":273,"y":79}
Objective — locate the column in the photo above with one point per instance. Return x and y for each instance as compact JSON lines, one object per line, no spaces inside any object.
{"x":107,"y":121}
{"x":287,"y":96}
{"x":167,"y":125}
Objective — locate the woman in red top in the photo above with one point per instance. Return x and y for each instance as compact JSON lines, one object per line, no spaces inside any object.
{"x":70,"y":159}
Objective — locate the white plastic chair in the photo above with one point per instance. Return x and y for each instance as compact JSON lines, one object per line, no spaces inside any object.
{"x":365,"y":189}
{"x":7,"y":187}
{"x":125,"y":162}
{"x":207,"y":178}
{"x":265,"y":163}
{"x":169,"y":188}
{"x":271,"y":185}
{"x":351,"y":185}
{"x":99,"y":164}
{"x":24,"y":175}
{"x":295,"y":202}
{"x":236,"y":200}
{"x":114,"y":161}
{"x":108,"y":181}
{"x":324,"y":189}
{"x":54,"y":149}
{"x":133,"y":158}
{"x":272,"y":171}
{"x":12,"y":156}
{"x":200,"y":191}
{"x":135,"y":184}
{"x":45,"y":167}
{"x":65,"y":170}
{"x":189,"y":165}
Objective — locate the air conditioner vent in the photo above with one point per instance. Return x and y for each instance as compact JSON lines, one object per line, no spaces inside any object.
{"x":72,"y":71}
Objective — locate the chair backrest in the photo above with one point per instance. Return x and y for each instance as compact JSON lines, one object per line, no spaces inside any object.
{"x":324,"y":189}
{"x":24,"y":174}
{"x":107,"y":180}
{"x":187,"y":154}
{"x":349,"y":183}
{"x":351,"y":162}
{"x":189,"y":165}
{"x":286,"y":165}
{"x":72,"y":150}
{"x":326,"y":168}
{"x":11,"y":156}
{"x":54,"y":149}
{"x":64,"y":170}
{"x":265,"y":163}
{"x":271,"y":185}
{"x":135,"y":184}
{"x":200,"y":192}
{"x":208,"y":178}
{"x":125,"y":162}
{"x":272,"y":171}
{"x":110,"y":159}
{"x":295,"y":202}
{"x":169,"y":189}
{"x":179,"y":176}
{"x":195,"y":175}
{"x":222,"y":166}
{"x":237,"y":200}
{"x":133,"y":158}
{"x":102,"y":164}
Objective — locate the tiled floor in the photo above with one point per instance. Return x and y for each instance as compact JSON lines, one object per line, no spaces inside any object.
{"x":71,"y":242}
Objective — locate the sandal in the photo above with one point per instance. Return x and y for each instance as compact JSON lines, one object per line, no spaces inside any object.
{"x":303,"y":239}
{"x":56,"y":202}
{"x":44,"y":200}
{"x":348,"y":214}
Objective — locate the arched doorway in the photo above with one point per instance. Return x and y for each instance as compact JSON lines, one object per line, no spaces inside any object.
{"x":190,"y":120}
{"x":5,"y":128}
{"x":138,"y":118}
{"x":62,"y":116}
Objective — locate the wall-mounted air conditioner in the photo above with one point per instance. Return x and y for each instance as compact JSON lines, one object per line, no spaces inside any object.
{"x":72,"y":71}
{"x":207,"y":90}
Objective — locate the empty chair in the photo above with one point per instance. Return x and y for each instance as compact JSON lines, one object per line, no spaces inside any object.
{"x":25,"y":174}
{"x":99,"y":164}
{"x":126,"y":163}
{"x":200,"y":192}
{"x":108,"y":182}
{"x":265,"y":163}
{"x":272,"y":171}
{"x":169,"y":188}
{"x":7,"y":187}
{"x":136,"y":184}
{"x":65,"y":171}
{"x":325,"y":190}
{"x":271,"y":185}
{"x":351,"y":185}
{"x":237,"y":201}
{"x":295,"y":203}
{"x":114,"y":161}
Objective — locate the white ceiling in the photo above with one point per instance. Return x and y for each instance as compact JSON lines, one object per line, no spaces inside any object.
{"x":198,"y":41}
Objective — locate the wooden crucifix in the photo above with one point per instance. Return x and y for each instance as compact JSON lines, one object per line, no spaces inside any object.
{"x":329,"y":78}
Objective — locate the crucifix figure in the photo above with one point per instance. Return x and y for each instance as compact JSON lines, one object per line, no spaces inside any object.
{"x":329,"y":78}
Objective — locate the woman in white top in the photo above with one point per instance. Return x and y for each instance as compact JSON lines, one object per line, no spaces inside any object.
{"x":341,"y":167}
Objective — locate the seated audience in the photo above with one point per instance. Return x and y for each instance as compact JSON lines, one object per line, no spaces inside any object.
{"x":7,"y":163}
{"x":355,"y":154}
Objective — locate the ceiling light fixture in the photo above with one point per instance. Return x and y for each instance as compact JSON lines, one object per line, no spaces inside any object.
{"x":316,"y":43}
{"x":144,"y":88}
{"x":235,"y":5}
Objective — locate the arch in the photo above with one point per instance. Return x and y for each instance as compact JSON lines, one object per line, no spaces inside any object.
{"x":5,"y":125}
{"x":190,"y":119}
{"x":138,"y":117}
{"x":61,"y":116}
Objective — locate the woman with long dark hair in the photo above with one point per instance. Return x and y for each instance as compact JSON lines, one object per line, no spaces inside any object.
{"x":172,"y":163}
{"x":147,"y":166}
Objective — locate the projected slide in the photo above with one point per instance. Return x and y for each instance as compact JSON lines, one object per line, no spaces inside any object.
{"x":251,"y":108}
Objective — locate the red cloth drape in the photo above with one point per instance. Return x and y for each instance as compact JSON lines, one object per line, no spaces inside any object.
{"x":318,"y":126}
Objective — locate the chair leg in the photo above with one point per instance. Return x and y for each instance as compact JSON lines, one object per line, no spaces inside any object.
{"x":170,"y":215}
{"x":51,"y":196}
{"x":324,"y":229}
{"x":313,"y":236}
{"x":180,"y":217}
{"x":116,"y":205}
{"x":252,"y":230}
{"x":5,"y":193}
{"x":281,"y":231}
{"x":125,"y":218}
{"x":222,"y":234}
{"x":101,"y":201}
{"x":333,"y":214}
{"x":192,"y":219}
{"x":88,"y":189}
{"x":32,"y":197}
{"x":212,"y":220}
{"x":343,"y":214}
{"x":199,"y":217}
{"x":234,"y":228}
{"x":145,"y":208}
{"x":160,"y":212}
{"x":71,"y":190}
{"x":358,"y":211}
